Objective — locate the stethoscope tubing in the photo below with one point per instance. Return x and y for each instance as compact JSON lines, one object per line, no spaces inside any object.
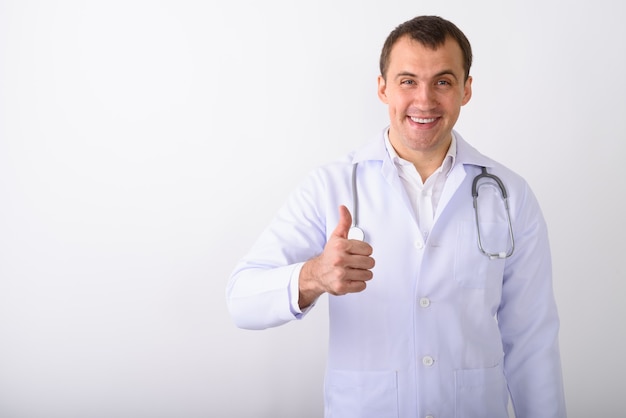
{"x":505,"y":199}
{"x":356,"y":232}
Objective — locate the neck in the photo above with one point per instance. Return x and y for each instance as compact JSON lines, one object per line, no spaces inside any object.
{"x":427,"y":167}
{"x":425,"y":161}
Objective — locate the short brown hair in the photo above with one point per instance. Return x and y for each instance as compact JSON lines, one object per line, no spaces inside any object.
{"x":431,"y":31}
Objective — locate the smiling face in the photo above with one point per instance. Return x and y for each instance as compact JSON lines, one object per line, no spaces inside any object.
{"x":424,"y":89}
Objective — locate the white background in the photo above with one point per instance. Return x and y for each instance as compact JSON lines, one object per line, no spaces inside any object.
{"x":145,"y":144}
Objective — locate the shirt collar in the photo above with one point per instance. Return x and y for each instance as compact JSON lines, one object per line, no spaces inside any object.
{"x":446,"y":165}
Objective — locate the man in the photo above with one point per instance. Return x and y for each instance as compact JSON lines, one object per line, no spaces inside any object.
{"x":456,"y":313}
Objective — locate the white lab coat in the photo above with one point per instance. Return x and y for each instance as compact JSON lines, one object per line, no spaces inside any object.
{"x":441,"y":330}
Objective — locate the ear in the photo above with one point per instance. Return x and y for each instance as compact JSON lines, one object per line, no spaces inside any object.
{"x":467,"y":91}
{"x":382,"y":90}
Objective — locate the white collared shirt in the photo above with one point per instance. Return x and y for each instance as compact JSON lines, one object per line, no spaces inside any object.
{"x":424,"y":196}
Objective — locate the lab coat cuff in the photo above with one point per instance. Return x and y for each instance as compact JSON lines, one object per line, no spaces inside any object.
{"x":294,"y":293}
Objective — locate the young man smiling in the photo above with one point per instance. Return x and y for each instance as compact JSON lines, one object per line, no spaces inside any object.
{"x":424,"y":89}
{"x":456,"y":315}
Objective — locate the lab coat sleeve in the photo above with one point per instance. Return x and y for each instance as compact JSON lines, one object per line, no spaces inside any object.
{"x":262,"y":291}
{"x":528,"y":318}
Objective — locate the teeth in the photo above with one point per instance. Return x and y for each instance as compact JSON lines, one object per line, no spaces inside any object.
{"x":421,"y":120}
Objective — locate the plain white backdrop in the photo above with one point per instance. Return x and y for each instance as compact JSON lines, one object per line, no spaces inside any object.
{"x":145,"y":144}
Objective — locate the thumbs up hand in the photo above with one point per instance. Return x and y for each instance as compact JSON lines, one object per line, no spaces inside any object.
{"x":343,"y":267}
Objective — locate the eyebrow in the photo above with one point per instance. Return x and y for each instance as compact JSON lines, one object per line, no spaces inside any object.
{"x":439,"y":74}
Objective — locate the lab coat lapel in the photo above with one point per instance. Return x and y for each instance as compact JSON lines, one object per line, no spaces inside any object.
{"x":389,"y":172}
{"x":466,"y":156}
{"x":376,"y":150}
{"x":454,"y":181}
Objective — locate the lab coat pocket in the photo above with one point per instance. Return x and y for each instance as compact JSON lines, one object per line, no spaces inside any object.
{"x":472,"y":268}
{"x":361,"y":394}
{"x":481,"y":393}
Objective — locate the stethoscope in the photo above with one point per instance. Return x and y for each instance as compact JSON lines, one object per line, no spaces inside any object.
{"x":505,"y":201}
{"x":357,"y":233}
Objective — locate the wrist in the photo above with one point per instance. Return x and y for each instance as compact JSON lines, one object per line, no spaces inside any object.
{"x":308,"y":287}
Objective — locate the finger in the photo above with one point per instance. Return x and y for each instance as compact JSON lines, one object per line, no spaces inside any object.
{"x":354,"y":281}
{"x":362,"y":262}
{"x":344,"y":224}
{"x":360,"y":248}
{"x":358,"y":275}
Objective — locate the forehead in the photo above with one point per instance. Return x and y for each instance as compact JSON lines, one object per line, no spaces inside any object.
{"x":408,"y":54}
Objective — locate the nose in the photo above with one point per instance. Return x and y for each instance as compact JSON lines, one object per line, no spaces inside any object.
{"x":425,"y":97}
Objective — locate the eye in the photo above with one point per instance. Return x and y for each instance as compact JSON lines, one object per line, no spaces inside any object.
{"x":407,"y":82}
{"x":443,"y":83}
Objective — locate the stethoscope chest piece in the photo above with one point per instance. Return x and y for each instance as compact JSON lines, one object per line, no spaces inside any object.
{"x":356,"y":233}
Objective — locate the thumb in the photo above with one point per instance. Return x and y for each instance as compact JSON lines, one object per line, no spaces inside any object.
{"x":344,"y":224}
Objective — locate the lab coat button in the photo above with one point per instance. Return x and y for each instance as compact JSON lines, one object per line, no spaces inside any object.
{"x":419,"y":245}
{"x":429,"y":416}
{"x":424,"y":302}
{"x":428,"y":361}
